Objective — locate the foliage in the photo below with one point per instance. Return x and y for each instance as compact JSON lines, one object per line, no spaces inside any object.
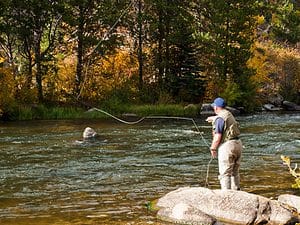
{"x":111,"y":77}
{"x":61,"y":82}
{"x":146,"y":110}
{"x":294,"y":172}
{"x":232,"y":93}
{"x":7,"y":91}
{"x":286,"y":21}
{"x":174,"y":51}
{"x":87,"y":23}
{"x":277,"y":70}
{"x":117,"y":53}
{"x":34,"y":112}
{"x":152,"y":205}
{"x":228,"y":33}
{"x":163,"y":110}
{"x":46,"y":112}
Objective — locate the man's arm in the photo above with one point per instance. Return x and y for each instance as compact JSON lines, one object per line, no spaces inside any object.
{"x":215,"y":144}
{"x":217,"y":136}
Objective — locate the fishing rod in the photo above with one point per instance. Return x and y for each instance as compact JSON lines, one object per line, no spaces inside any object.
{"x":162,"y":117}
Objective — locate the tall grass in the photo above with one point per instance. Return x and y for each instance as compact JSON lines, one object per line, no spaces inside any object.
{"x":164,"y":110}
{"x":43,"y":112}
{"x":47,"y":113}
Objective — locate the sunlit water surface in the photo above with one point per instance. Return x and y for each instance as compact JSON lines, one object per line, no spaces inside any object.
{"x":47,"y":177}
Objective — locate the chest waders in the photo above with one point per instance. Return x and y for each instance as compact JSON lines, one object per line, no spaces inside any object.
{"x":229,"y":153}
{"x":231,"y":127}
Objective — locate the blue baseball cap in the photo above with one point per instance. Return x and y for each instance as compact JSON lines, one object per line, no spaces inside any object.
{"x":219,"y":102}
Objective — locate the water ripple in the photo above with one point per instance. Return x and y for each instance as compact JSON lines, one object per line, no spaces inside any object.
{"x":47,"y":176}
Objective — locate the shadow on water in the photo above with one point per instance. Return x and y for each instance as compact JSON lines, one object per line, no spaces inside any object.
{"x":48,"y":178}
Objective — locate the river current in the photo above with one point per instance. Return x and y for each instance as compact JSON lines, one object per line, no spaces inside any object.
{"x":48,"y":176}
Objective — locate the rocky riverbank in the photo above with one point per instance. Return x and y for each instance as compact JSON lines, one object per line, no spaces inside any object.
{"x":274,"y":103}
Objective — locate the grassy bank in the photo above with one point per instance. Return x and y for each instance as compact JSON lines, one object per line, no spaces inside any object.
{"x":42,"y":112}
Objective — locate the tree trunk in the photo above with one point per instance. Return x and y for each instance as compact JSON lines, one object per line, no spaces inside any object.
{"x":160,"y":50}
{"x":37,"y":52}
{"x":79,"y":67}
{"x":140,"y":45}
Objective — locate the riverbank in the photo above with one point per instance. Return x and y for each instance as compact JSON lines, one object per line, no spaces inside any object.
{"x":42,"y":112}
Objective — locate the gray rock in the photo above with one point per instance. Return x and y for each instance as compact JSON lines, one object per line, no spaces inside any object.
{"x":275,"y":99}
{"x":191,"y":107}
{"x":234,"y":111}
{"x":185,"y":214}
{"x":281,"y":214}
{"x":271,"y":107}
{"x":291,"y":106}
{"x":89,"y":133}
{"x":291,"y":200}
{"x":207,"y":109}
{"x":202,"y":205}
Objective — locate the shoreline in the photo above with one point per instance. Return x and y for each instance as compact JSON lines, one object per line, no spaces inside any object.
{"x":131,"y":112}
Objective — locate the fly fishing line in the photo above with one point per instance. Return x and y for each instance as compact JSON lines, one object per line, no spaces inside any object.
{"x":162,"y":117}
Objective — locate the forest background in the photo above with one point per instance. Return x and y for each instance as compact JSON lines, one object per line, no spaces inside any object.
{"x":118,"y":53}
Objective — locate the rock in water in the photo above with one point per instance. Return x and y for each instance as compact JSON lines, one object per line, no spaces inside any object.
{"x":89,"y":133}
{"x":198,"y":205}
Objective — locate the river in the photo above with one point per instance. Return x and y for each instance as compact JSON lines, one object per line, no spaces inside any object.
{"x":47,"y":177}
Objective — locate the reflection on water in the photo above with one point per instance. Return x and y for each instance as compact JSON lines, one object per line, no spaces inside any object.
{"x":46,"y":177}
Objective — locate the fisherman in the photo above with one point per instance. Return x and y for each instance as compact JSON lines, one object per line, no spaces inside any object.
{"x":226,"y":144}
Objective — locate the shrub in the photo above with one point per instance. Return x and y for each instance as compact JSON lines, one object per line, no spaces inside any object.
{"x":294,"y":172}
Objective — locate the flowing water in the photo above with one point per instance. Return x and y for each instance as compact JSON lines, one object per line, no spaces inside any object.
{"x":47,"y":177}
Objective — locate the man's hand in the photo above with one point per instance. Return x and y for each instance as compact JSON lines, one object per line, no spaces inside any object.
{"x":213,"y":153}
{"x":210,"y":119}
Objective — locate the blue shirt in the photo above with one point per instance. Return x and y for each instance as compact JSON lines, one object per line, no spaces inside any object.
{"x":219,"y":125}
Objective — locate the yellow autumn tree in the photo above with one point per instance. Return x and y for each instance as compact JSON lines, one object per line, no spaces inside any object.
{"x":62,"y":82}
{"x":111,"y":75}
{"x":277,"y":69}
{"x":7,"y":88}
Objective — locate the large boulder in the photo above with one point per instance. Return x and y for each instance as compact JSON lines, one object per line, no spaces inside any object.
{"x":198,"y":205}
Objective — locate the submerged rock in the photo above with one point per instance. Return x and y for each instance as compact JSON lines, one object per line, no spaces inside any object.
{"x":198,"y":205}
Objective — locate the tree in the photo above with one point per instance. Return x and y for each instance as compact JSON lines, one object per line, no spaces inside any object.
{"x":92,"y":25}
{"x":286,"y":21}
{"x":227,"y":30}
{"x":174,"y":50}
{"x":34,"y":26}
{"x":140,"y":44}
